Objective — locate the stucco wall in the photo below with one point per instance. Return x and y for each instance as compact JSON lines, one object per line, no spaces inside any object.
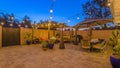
{"x":0,"y":36}
{"x":102,"y":34}
{"x":38,"y":33}
{"x":23,"y":35}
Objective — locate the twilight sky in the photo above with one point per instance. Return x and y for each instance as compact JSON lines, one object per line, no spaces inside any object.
{"x":39,"y":9}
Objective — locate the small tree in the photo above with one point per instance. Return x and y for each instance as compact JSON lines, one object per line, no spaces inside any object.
{"x":96,"y":9}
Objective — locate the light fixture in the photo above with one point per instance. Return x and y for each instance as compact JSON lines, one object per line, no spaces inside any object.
{"x":78,"y":18}
{"x":2,"y":23}
{"x":51,"y":10}
{"x":19,"y":25}
{"x":11,"y":24}
{"x":23,"y":21}
{"x":11,"y":17}
{"x":51,"y":17}
{"x":108,"y":4}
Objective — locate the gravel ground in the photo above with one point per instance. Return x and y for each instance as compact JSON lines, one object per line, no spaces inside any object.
{"x":33,"y":56}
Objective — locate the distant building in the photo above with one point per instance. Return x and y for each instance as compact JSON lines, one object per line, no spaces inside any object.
{"x":115,"y":9}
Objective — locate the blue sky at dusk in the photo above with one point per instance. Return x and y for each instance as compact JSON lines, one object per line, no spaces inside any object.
{"x":39,"y":9}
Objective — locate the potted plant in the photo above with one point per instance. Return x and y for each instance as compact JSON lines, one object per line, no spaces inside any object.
{"x":44,"y":45}
{"x":115,"y":57}
{"x":28,"y":38}
{"x":51,"y":42}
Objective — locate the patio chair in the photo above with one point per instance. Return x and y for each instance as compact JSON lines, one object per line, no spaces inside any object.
{"x":101,"y":46}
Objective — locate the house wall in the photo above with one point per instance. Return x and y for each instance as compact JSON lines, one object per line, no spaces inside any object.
{"x":115,"y":9}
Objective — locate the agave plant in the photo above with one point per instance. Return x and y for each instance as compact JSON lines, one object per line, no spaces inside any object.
{"x":115,"y":42}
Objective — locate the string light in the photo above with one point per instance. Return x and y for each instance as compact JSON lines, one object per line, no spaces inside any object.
{"x":19,"y":25}
{"x":51,"y":10}
{"x":23,"y":21}
{"x":11,"y":24}
{"x":51,"y":17}
{"x":108,"y":3}
{"x":78,"y":18}
{"x":2,"y":23}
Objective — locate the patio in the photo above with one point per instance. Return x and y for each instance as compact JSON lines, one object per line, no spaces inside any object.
{"x":33,"y":56}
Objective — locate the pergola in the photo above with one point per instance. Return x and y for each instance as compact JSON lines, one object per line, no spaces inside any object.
{"x":89,"y":23}
{"x":54,"y":25}
{"x":92,"y":22}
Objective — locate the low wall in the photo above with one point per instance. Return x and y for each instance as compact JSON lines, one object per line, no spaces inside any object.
{"x":0,"y":36}
{"x":102,"y":34}
{"x":41,"y":33}
{"x":38,"y":33}
{"x":23,"y":32}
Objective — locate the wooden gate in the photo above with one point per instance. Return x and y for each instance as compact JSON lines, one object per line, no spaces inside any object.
{"x":10,"y":36}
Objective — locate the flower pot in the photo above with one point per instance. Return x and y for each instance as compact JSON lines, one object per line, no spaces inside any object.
{"x":115,"y":61}
{"x":51,"y":45}
{"x":28,"y":42}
